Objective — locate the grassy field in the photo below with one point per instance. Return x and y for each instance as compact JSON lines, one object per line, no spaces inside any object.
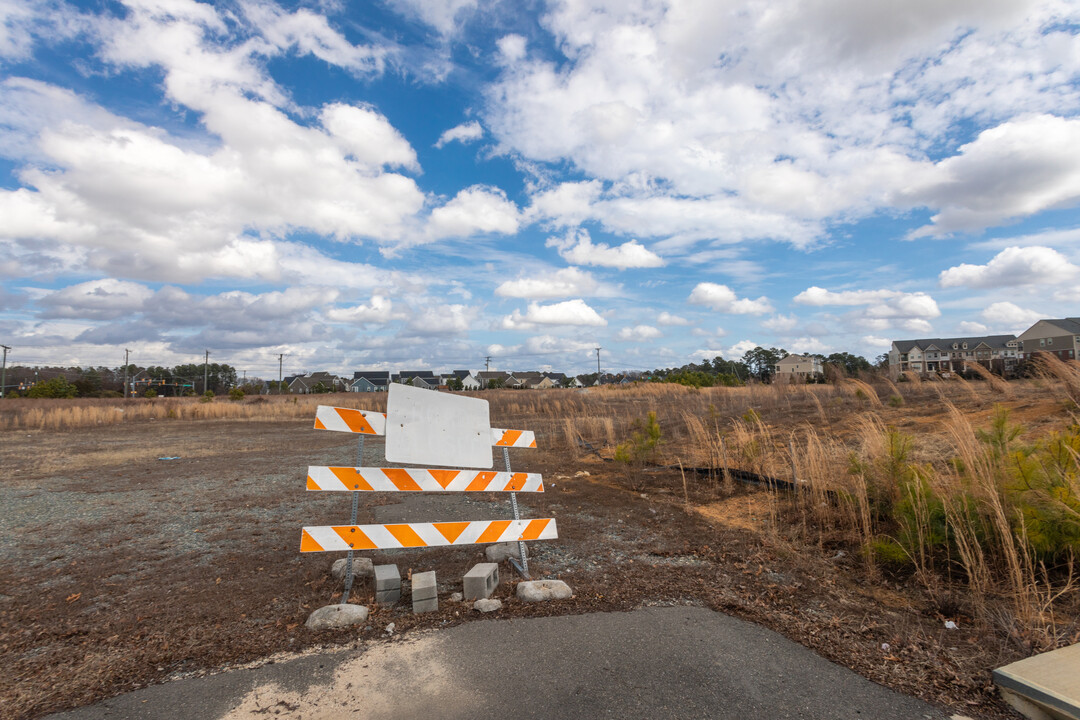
{"x":917,"y":501}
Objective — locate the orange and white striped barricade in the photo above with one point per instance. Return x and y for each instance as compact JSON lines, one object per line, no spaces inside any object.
{"x":358,"y":479}
{"x":374,"y":479}
{"x":395,"y":536}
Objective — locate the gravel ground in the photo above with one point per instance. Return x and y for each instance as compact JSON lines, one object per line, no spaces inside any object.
{"x":120,"y":570}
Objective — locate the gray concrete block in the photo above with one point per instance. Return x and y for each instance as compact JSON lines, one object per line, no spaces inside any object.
{"x":423,"y":586}
{"x":541,"y":590}
{"x":481,"y":581}
{"x":388,"y":597}
{"x":387,"y":577}
{"x":428,"y":605}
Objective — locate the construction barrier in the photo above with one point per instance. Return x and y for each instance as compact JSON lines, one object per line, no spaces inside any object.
{"x":367,"y":422}
{"x":373,"y":479}
{"x":352,"y":537}
{"x":329,"y":538}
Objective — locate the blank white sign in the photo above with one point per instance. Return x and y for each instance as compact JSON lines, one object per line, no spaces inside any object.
{"x":425,"y":427}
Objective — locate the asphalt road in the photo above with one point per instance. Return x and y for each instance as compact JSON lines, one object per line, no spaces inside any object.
{"x":678,"y":662}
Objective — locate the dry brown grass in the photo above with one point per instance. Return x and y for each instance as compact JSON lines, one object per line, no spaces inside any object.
{"x":836,"y":442}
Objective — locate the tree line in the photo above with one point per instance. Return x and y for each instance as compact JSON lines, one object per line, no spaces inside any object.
{"x":758,"y":364}
{"x":105,"y":382}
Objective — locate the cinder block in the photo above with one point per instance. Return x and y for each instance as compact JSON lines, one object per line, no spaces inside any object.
{"x":481,"y":581}
{"x":423,"y":586}
{"x":422,"y":606}
{"x":387,"y":577}
{"x":388,"y":597}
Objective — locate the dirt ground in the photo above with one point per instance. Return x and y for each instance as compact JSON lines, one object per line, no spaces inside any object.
{"x":120,"y":568}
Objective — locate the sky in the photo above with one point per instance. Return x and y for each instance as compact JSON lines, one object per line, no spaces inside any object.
{"x":403,"y":184}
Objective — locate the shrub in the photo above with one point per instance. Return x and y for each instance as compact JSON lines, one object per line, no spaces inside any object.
{"x":896,"y":401}
{"x":642,"y":444}
{"x":58,"y":387}
{"x":207,"y":396}
{"x":150,"y":393}
{"x":236,"y":394}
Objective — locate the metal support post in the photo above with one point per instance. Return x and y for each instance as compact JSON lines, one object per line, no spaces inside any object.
{"x":523,"y":568}
{"x":352,"y":521}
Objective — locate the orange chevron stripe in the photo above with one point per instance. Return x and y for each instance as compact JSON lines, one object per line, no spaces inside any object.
{"x":533,"y":529}
{"x":517,"y":481}
{"x":308,"y":544}
{"x":355,"y":537}
{"x":480,"y":481}
{"x":451,"y":530}
{"x":401,"y":479}
{"x":444,"y":477}
{"x":319,"y":424}
{"x":509,"y":438}
{"x":356,"y":421}
{"x":533,"y":443}
{"x":351,"y":479}
{"x":311,"y":484}
{"x":494,"y":531}
{"x":405,"y":535}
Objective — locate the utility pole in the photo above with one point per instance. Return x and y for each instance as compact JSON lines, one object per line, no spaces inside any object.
{"x":280,"y":358}
{"x":127,"y":353}
{"x":3,"y":373}
{"x":205,"y":373}
{"x":598,"y":363}
{"x":487,"y":363}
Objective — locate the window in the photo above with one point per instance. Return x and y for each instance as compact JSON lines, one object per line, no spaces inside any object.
{"x":1042,"y":342}
{"x":955,"y":345}
{"x":965,"y":346}
{"x":1049,"y":341}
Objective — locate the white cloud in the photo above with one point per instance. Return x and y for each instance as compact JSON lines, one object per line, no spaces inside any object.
{"x":1011,"y":171}
{"x":721,"y":298}
{"x":969,"y":327}
{"x":639,"y":333}
{"x":666,"y":318}
{"x":368,"y":136}
{"x":561,"y":283}
{"x":736,"y":351}
{"x":809,"y":345}
{"x":464,"y":133}
{"x":578,"y":248}
{"x":728,"y":122}
{"x":876,"y":342}
{"x":440,"y":320}
{"x":1008,"y":315}
{"x":476,"y":209}
{"x":376,"y":311}
{"x":544,"y":344}
{"x":1013,"y":266}
{"x":103,"y":299}
{"x":780,"y":323}
{"x":570,"y":312}
{"x":512,"y":48}
{"x":883,"y":308}
{"x":443,"y":15}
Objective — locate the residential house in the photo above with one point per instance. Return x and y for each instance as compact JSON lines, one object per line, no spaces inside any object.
{"x":997,"y":353}
{"x":1060,"y":337}
{"x":369,"y":381}
{"x":304,"y":384}
{"x":486,"y":377}
{"x":559,"y":380}
{"x":797,"y":368}
{"x":529,"y":381}
{"x":418,"y":378}
{"x":468,"y":380}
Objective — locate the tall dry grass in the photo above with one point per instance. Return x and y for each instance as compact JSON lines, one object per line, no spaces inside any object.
{"x":937,"y":499}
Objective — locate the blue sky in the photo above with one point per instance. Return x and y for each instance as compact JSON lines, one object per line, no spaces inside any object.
{"x":406,"y":184}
